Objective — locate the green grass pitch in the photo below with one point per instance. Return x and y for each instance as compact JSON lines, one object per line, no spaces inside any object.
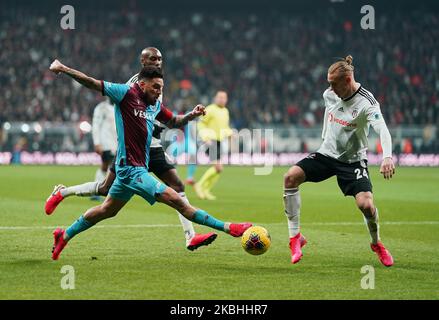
{"x":141,"y":254}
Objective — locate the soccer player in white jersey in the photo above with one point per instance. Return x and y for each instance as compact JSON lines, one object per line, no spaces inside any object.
{"x":158,"y":164}
{"x":104,"y":136}
{"x":350,"y":111}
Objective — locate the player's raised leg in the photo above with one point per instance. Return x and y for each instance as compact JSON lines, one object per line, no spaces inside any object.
{"x":364,"y":201}
{"x":108,"y":209}
{"x":292,"y":179}
{"x":193,"y":240}
{"x":171,"y":198}
{"x":87,"y":189}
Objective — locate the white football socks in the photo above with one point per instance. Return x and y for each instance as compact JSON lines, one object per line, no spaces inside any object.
{"x":87,"y":189}
{"x":188,"y":227}
{"x":292,"y":210}
{"x":100,"y":175}
{"x":81,"y":190}
{"x":373,"y":226}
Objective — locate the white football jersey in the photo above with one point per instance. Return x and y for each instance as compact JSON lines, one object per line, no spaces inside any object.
{"x":346,"y":125}
{"x":155,"y":143}
{"x":104,"y":126}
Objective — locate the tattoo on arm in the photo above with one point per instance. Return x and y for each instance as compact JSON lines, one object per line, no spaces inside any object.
{"x":83,"y":79}
{"x":179,"y":121}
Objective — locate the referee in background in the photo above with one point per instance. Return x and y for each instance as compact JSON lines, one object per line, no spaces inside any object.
{"x":213,"y":128}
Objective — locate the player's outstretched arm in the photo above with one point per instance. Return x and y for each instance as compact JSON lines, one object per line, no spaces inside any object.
{"x":89,"y":82}
{"x":182,"y":120}
{"x":387,"y":168}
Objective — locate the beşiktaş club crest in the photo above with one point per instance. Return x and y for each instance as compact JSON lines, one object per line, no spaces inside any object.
{"x":354,"y":113}
{"x":363,"y":164}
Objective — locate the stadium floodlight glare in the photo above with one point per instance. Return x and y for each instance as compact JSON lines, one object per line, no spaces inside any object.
{"x":7,"y":126}
{"x":37,"y":127}
{"x":25,"y":127}
{"x":85,"y":126}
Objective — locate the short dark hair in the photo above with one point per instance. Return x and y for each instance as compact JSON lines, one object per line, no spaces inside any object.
{"x":150,"y":72}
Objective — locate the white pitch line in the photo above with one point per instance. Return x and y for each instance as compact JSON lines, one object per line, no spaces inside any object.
{"x":362,"y":223}
{"x":120,"y":226}
{"x":102,"y":226}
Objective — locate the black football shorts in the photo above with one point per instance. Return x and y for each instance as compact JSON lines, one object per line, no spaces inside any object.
{"x":159,"y":162}
{"x":352,"y":178}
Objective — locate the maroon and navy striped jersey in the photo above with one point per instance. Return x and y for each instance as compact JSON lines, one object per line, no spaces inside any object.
{"x":134,"y":122}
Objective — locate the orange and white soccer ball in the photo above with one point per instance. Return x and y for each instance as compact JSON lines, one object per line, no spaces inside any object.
{"x":256,"y":240}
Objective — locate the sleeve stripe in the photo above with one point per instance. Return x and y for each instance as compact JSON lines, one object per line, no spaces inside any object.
{"x":365,"y":94}
{"x":133,"y":79}
{"x":371,"y":96}
{"x":102,"y":88}
{"x":370,"y":100}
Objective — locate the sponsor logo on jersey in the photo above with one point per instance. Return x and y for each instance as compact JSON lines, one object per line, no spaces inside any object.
{"x":355,"y":113}
{"x":341,"y":109}
{"x":140,"y":113}
{"x":143,"y":114}
{"x":344,"y":123}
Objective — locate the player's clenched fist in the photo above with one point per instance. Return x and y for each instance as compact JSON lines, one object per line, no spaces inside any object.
{"x":56,"y":66}
{"x":199,"y":110}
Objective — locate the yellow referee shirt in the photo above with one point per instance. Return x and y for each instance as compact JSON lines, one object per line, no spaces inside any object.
{"x":215,"y":124}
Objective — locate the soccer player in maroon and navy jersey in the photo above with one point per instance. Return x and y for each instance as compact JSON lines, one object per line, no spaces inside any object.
{"x":136,"y":108}
{"x":158,"y":164}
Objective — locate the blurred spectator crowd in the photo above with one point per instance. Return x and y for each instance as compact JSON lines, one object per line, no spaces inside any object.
{"x":272,"y":63}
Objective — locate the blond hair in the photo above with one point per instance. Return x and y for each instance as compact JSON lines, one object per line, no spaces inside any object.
{"x":342,"y":67}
